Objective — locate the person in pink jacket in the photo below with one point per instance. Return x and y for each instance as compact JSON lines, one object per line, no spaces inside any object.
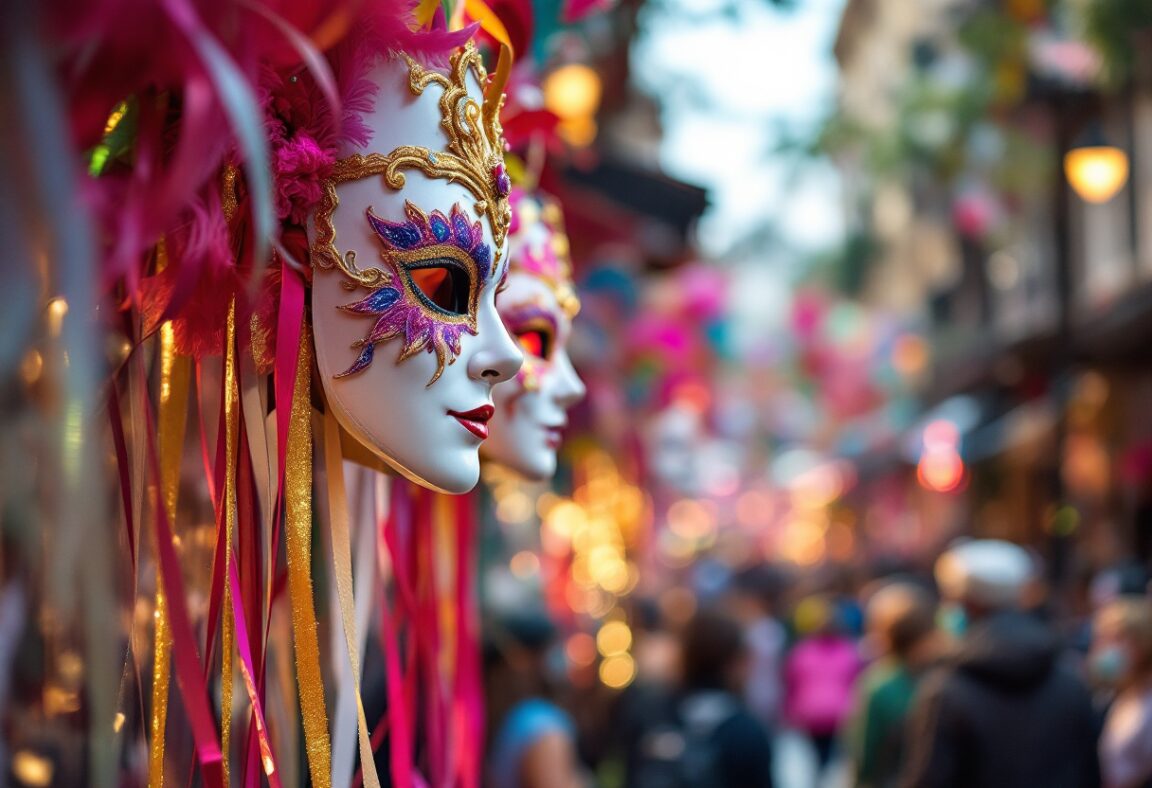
{"x":820,"y":676}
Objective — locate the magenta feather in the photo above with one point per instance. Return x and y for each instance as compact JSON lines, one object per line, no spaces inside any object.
{"x":193,"y":67}
{"x":384,"y":30}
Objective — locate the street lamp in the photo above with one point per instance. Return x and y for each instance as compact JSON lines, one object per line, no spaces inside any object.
{"x":1096,"y":170}
{"x":573,"y":92}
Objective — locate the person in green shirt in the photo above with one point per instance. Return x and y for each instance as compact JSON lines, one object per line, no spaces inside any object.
{"x":901,"y":624}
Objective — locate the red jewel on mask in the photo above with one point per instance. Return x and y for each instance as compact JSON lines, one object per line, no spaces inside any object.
{"x":503,"y":182}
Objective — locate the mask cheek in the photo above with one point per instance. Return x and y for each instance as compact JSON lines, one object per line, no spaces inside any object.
{"x":529,"y":377}
{"x":570,"y":389}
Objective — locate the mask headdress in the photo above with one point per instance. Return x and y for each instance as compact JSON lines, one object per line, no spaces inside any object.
{"x":474,"y":158}
{"x":538,"y":246}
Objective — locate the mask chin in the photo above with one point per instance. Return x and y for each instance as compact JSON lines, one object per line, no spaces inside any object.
{"x":458,"y":481}
{"x":453,"y":481}
{"x":532,"y":463}
{"x":537,"y":469}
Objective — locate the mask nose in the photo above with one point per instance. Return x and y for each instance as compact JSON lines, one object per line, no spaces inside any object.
{"x":498,"y":356}
{"x":571,"y":388}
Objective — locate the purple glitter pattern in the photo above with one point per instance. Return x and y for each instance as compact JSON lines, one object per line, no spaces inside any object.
{"x":397,"y":307}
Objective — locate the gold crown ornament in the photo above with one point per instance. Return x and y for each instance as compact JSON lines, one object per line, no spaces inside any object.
{"x":473,"y":158}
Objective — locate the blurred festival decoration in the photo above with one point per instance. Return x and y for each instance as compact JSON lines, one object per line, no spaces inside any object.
{"x":580,"y":552}
{"x":881,"y":395}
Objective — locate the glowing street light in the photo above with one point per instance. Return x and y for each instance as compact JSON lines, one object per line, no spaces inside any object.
{"x":573,"y":92}
{"x":1096,"y":170}
{"x":940,"y":468}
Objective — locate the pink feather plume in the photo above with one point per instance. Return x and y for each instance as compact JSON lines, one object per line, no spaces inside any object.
{"x":167,"y":56}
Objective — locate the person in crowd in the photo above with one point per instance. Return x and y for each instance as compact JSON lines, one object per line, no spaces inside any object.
{"x":1127,"y":578}
{"x":714,"y":741}
{"x":820,"y":676}
{"x":901,"y":626}
{"x":533,"y":739}
{"x":1004,"y":710}
{"x":755,"y":600}
{"x":1121,"y":656}
{"x":650,"y":700}
{"x":844,"y":582}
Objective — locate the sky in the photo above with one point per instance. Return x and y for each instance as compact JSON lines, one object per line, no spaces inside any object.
{"x":732,"y":86}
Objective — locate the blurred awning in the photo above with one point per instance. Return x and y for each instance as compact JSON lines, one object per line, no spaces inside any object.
{"x":643,"y":192}
{"x":963,"y":411}
{"x":986,"y":428}
{"x":1026,"y":426}
{"x":612,"y":200}
{"x":1119,"y":330}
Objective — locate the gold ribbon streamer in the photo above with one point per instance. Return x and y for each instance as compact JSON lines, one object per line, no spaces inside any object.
{"x":490,"y":22}
{"x":342,"y":561}
{"x":175,"y":380}
{"x":425,"y":12}
{"x":228,"y":637}
{"x":298,"y":538}
{"x":481,"y":12}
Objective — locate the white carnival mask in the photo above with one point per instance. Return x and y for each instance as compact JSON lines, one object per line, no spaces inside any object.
{"x":408,"y":244}
{"x":537,"y":306}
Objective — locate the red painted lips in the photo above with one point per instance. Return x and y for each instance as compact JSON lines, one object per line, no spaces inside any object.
{"x":553,"y":436}
{"x":475,"y":420}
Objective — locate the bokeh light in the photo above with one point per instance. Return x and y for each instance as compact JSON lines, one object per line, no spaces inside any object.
{"x":613,"y":638}
{"x":1097,"y":173}
{"x":618,"y":671}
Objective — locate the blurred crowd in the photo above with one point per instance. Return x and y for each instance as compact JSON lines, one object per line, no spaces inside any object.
{"x":968,"y":674}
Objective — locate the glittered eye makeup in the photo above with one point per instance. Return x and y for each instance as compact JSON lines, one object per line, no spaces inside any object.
{"x":437,"y":265}
{"x":535,"y":327}
{"x":536,"y":330}
{"x":537,"y":342}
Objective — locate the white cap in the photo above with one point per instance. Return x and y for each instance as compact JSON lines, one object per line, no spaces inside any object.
{"x":987,"y":572}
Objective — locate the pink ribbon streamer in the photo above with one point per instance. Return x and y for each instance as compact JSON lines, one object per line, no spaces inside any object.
{"x":469,"y":698}
{"x":247,"y":669}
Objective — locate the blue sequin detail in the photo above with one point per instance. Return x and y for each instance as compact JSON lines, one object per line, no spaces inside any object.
{"x":400,"y":235}
{"x":440,"y":228}
{"x":463,"y":231}
{"x":482,"y":254}
{"x":382,"y":299}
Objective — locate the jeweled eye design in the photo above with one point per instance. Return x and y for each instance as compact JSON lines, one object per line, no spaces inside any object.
{"x":536,"y":342}
{"x":437,"y":267}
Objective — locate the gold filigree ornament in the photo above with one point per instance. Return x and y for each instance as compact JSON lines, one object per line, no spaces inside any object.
{"x":558,"y":276}
{"x":474,"y":158}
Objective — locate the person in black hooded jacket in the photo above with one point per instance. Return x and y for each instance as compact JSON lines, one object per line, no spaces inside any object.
{"x":1004,"y":711}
